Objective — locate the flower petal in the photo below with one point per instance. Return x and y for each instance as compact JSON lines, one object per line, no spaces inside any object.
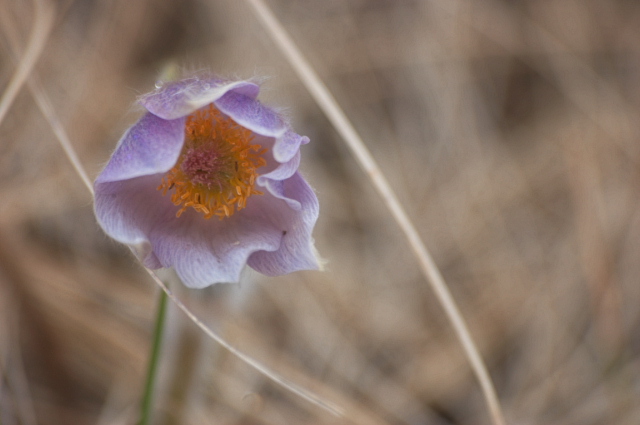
{"x":273,"y":181}
{"x":202,"y":252}
{"x":251,"y":114}
{"x":180,"y":98}
{"x":296,"y":249}
{"x":151,"y":146}
{"x":288,"y":145}
{"x":125,"y":209}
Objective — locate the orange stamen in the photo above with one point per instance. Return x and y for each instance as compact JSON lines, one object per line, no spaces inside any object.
{"x":217,"y":166}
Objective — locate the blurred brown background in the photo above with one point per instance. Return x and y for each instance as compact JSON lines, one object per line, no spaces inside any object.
{"x":508,"y":128}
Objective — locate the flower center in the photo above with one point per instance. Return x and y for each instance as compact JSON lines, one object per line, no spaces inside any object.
{"x":216,"y":169}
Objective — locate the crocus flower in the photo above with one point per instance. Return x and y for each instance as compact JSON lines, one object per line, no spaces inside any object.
{"x":207,"y":182}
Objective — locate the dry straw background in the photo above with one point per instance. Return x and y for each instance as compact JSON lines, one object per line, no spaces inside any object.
{"x":510,"y":132}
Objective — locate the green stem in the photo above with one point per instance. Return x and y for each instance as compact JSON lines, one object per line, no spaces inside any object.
{"x":145,"y":408}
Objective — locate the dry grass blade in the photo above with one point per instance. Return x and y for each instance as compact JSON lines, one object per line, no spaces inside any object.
{"x":339,"y":120}
{"x":301,"y":392}
{"x":47,"y":110}
{"x":43,"y":21}
{"x":44,"y":104}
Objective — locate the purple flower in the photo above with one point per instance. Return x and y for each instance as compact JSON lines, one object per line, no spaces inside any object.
{"x":206,"y":182}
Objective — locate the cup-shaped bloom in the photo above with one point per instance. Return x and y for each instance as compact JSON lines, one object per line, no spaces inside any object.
{"x":207,"y":182}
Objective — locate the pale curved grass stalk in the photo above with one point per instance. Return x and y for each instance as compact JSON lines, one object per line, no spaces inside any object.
{"x":44,"y":104}
{"x":299,"y":391}
{"x":43,"y":22}
{"x":47,"y":110}
{"x":337,"y":117}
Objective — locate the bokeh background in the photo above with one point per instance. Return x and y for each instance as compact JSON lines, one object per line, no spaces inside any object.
{"x":510,"y":132}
